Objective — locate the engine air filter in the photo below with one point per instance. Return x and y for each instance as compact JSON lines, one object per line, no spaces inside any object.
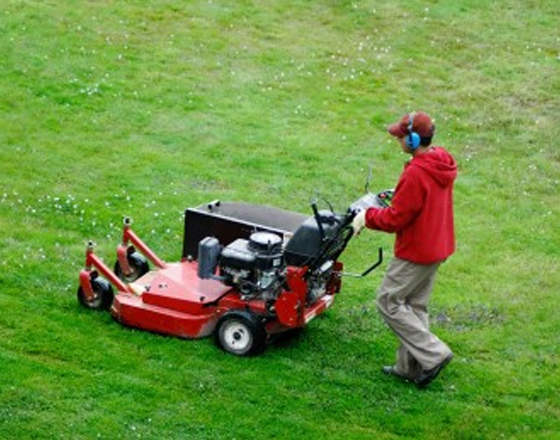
{"x":265,"y":242}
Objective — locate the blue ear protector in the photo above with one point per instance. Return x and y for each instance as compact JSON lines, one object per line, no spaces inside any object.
{"x":412,"y":138}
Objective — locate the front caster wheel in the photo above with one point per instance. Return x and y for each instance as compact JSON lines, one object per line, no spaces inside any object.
{"x":102,"y":295}
{"x":240,"y":333}
{"x":138,"y":266}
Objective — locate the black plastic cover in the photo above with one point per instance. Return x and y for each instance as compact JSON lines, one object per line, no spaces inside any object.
{"x":208,"y":252}
{"x":309,"y":239}
{"x":239,"y":255}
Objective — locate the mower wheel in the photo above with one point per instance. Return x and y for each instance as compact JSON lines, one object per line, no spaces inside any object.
{"x":103,"y":295}
{"x":138,"y":264}
{"x":240,"y":333}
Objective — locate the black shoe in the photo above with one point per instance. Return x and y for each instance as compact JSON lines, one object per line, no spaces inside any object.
{"x":391,"y":370}
{"x":427,"y":376}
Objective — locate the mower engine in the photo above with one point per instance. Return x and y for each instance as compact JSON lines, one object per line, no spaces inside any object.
{"x":257,"y":267}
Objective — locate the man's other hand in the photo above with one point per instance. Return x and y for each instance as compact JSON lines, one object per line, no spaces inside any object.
{"x":359,"y":222}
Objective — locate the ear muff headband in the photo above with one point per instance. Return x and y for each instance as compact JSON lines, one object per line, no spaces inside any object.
{"x":413,"y":138}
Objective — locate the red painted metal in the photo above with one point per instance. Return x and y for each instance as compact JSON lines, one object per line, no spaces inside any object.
{"x":335,"y":283}
{"x":130,"y":310}
{"x":172,"y":301}
{"x":289,"y":309}
{"x":178,"y":287}
{"x":85,"y":284}
{"x":108,"y":273}
{"x":122,"y":258}
{"x":318,"y":307}
{"x":129,"y":236}
{"x":130,"y":239}
{"x":93,"y":261}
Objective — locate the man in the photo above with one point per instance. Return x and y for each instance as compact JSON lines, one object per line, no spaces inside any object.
{"x":421,"y":215}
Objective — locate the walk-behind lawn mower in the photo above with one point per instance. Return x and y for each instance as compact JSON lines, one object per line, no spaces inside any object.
{"x":247,"y":272}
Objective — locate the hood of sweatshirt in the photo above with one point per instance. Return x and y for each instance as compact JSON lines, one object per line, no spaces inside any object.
{"x":438,"y":164}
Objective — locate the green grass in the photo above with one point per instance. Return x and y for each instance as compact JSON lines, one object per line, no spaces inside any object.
{"x":145,"y":108}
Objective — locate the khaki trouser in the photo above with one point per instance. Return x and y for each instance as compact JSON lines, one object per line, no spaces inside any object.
{"x":403,"y":299}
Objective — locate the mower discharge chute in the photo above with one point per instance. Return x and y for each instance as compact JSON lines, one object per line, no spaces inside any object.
{"x":247,"y":272}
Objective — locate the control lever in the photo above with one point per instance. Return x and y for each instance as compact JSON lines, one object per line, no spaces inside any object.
{"x":318,"y":218}
{"x":368,"y":270}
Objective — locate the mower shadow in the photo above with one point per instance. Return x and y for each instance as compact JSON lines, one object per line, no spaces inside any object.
{"x":287,"y":340}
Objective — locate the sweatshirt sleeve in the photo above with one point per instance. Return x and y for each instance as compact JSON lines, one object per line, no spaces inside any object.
{"x":407,"y":203}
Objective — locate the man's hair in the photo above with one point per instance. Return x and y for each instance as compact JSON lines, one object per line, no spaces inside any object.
{"x":425,"y":141}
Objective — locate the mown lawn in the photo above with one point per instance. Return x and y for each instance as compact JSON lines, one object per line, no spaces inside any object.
{"x":145,"y":108}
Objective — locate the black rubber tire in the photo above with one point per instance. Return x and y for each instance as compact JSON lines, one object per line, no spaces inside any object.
{"x":241,"y":333}
{"x":138,"y":264}
{"x":103,"y":295}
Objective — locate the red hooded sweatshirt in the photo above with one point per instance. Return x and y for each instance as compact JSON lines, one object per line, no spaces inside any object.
{"x":421,"y":212}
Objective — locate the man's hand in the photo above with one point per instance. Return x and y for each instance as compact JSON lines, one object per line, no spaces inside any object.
{"x":359,"y":222}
